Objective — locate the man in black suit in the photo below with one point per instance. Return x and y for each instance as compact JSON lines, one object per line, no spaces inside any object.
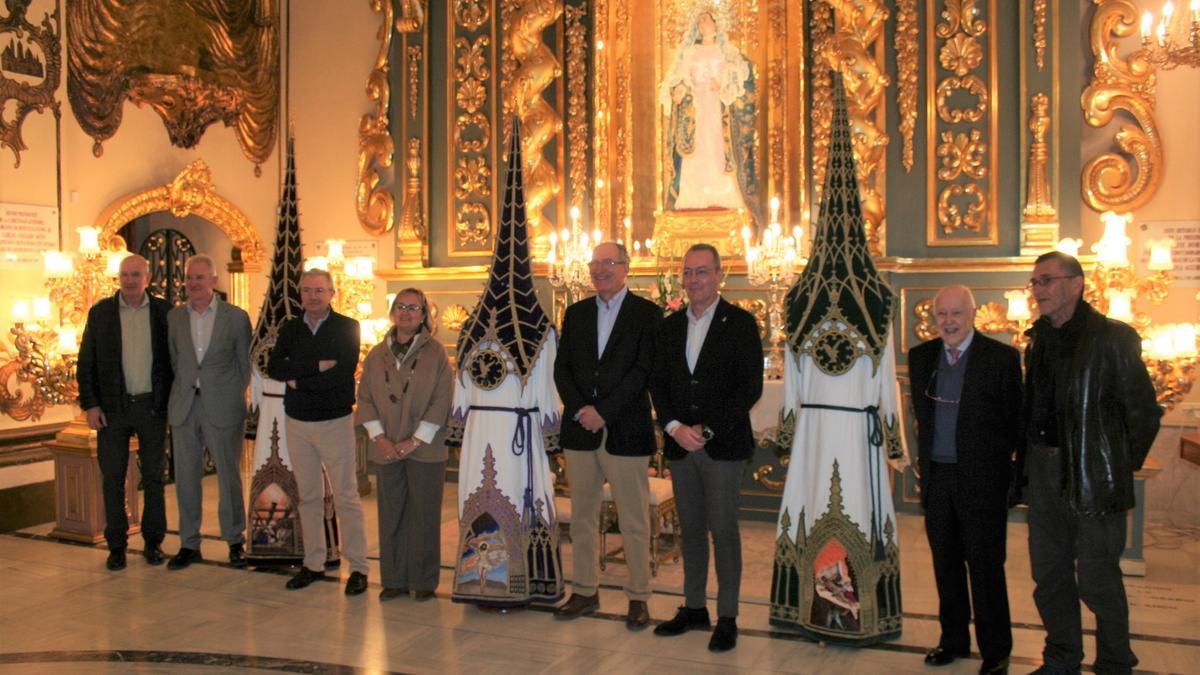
{"x":602,"y":372}
{"x":966,"y":392}
{"x":708,"y":375}
{"x":124,"y":375}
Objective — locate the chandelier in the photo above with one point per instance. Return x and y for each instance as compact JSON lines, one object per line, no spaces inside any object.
{"x":773,"y":263}
{"x":570,"y":253}
{"x":1175,"y":41}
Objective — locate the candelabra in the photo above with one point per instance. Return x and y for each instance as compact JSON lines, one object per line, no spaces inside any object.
{"x":567,"y":262}
{"x":354,"y":279}
{"x":773,"y":263}
{"x":43,"y":355}
{"x":1113,"y":288}
{"x":1166,"y":49}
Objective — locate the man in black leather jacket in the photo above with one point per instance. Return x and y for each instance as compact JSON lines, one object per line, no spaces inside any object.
{"x":1091,"y":417}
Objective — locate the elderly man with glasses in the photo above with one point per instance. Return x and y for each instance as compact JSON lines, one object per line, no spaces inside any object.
{"x":1090,"y":419}
{"x":967,"y":399}
{"x":602,"y":373}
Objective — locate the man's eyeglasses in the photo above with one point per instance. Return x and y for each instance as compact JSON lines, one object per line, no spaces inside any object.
{"x":931,"y":392}
{"x":414,"y":307}
{"x":605,"y":263}
{"x":1046,"y":280}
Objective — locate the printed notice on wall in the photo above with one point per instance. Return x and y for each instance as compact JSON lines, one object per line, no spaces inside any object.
{"x":25,"y":231}
{"x":1185,"y":251}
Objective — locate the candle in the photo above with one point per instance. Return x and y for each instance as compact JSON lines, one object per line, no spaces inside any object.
{"x":68,"y":340}
{"x":1069,"y":246}
{"x":20,"y":311}
{"x":774,"y":210}
{"x":1160,"y":254}
{"x":1147,"y":23}
{"x":89,"y":240}
{"x":1113,"y":248}
{"x":113,"y":267}
{"x":41,"y":309}
{"x":316,"y":263}
{"x":56,"y":264}
{"x":1018,"y":306}
{"x":1120,"y":304}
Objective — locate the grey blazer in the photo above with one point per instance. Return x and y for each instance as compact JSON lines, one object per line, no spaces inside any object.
{"x":224,"y":373}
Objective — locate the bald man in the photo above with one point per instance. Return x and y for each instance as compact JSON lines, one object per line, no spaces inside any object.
{"x":966,"y":392}
{"x":124,"y":375}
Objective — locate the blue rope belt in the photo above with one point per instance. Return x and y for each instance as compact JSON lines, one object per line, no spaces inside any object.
{"x":522,"y":441}
{"x":875,"y":439}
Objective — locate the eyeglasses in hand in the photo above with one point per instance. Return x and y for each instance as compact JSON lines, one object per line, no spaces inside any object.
{"x":931,"y":389}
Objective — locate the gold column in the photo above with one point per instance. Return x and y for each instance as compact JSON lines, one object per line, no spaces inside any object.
{"x":1039,"y":220}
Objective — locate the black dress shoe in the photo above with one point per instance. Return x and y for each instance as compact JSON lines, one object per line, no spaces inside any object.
{"x":356,"y":584}
{"x":994,"y":666}
{"x":237,"y":555}
{"x":185,"y":557}
{"x":154,"y":554}
{"x":116,"y":560}
{"x":578,"y":605}
{"x":390,"y":593}
{"x":638,"y":616}
{"x":422,"y":596}
{"x":939,"y":656}
{"x":724,"y":636}
{"x":684,"y":620}
{"x":304,"y":578}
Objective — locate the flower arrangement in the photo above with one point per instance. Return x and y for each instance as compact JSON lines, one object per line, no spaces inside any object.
{"x":667,"y":291}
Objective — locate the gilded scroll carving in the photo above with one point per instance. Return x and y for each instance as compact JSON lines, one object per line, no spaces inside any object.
{"x":37,"y":56}
{"x":856,"y":50}
{"x":537,"y":68}
{"x":412,"y":16}
{"x":1108,"y":181}
{"x":961,"y":123}
{"x":228,"y":73}
{"x":373,"y":204}
{"x":577,"y":124}
{"x":470,"y":106}
{"x":906,"y":76}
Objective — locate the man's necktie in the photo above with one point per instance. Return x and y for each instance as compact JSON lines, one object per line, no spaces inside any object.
{"x":952,"y":355}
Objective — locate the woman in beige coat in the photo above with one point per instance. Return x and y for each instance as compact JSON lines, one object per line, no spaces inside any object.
{"x":404,"y":401}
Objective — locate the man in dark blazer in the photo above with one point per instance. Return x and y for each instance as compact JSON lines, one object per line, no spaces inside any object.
{"x":708,"y":375}
{"x":209,"y":341}
{"x":966,"y":392}
{"x":124,"y":375}
{"x":602,"y":372}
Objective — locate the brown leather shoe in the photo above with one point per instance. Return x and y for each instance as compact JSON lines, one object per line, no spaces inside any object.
{"x":578,"y":605}
{"x":638,"y":616}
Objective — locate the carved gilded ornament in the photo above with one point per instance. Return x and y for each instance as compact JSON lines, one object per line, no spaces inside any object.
{"x":906,"y":76}
{"x":375,"y":205}
{"x":471,"y":14}
{"x":1109,"y":182}
{"x":412,"y":16}
{"x":453,"y":317}
{"x":225,"y":69}
{"x":577,"y":118}
{"x":412,"y":238}
{"x":1039,"y":33}
{"x":472,"y":142}
{"x":537,"y":68}
{"x":31,"y":78}
{"x":415,"y":54}
{"x":472,"y":176}
{"x":601,"y":190}
{"x":1039,"y":206}
{"x":962,"y":124}
{"x":190,"y":193}
{"x":474,"y":225}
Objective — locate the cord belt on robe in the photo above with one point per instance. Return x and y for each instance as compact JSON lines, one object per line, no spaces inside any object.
{"x":522,"y":442}
{"x":875,"y":440}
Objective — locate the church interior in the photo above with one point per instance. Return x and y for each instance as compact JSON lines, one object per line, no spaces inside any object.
{"x":368,"y":137}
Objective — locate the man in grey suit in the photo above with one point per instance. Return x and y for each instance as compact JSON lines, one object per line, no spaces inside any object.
{"x":209,"y":342}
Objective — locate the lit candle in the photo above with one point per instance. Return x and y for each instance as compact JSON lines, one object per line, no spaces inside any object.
{"x":596,"y":235}
{"x":68,"y":340}
{"x":774,"y":209}
{"x":89,"y":240}
{"x":1113,"y":248}
{"x":1018,"y":306}
{"x":1185,"y":333}
{"x":1147,"y":24}
{"x":56,"y":264}
{"x":1160,"y":254}
{"x":41,"y":309}
{"x":113,"y":267}
{"x":1120,"y":304}
{"x":316,"y":262}
{"x":637,"y":248}
{"x":20,"y":311}
{"x":1069,"y":246}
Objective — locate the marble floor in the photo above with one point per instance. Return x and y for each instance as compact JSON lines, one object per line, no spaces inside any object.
{"x":62,"y":612}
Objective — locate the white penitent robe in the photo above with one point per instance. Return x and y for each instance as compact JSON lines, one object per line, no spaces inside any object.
{"x":837,"y":574}
{"x":274,"y":518}
{"x":508,"y":534}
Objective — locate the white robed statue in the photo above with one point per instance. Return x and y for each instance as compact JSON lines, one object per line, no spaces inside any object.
{"x":506,"y":408}
{"x":837,"y":567}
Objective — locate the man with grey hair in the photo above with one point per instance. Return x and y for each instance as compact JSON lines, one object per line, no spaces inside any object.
{"x":316,"y":354}
{"x":602,"y":372}
{"x":124,"y":375}
{"x":210,"y":353}
{"x":966,"y":393}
